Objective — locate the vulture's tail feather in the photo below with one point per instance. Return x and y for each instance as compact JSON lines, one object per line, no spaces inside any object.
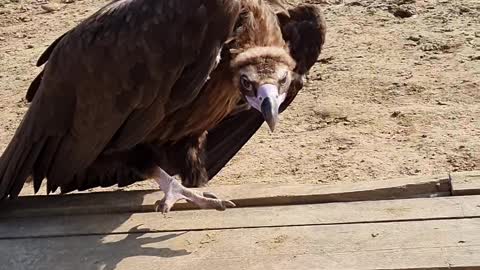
{"x":18,"y":160}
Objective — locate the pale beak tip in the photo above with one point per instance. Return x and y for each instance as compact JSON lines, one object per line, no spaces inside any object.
{"x":270,"y":113}
{"x":271,"y":125}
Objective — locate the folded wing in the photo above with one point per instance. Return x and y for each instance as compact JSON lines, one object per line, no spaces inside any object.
{"x":109,"y":81}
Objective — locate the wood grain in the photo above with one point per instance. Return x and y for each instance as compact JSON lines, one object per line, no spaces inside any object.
{"x":465,"y":183}
{"x":438,"y":244}
{"x":242,"y":195}
{"x":274,"y":216}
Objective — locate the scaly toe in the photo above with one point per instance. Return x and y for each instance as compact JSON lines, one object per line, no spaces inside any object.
{"x":161,"y":206}
{"x":165,"y":205}
{"x":224,"y":204}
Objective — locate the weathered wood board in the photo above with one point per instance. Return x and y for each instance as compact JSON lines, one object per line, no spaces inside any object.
{"x":439,"y":244}
{"x":411,"y":223}
{"x":465,"y":183}
{"x":242,"y":195}
{"x":251,"y":217}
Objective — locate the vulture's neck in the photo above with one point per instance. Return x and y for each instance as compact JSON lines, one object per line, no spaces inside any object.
{"x":257,"y":27}
{"x":258,"y":35}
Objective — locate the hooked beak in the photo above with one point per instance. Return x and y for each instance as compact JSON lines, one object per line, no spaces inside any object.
{"x":270,"y":112}
{"x":267,"y":102}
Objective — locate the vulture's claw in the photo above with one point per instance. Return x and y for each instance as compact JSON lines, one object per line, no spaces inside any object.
{"x":174,"y":191}
{"x":209,"y":195}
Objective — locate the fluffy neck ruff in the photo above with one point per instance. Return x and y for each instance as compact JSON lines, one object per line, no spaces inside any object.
{"x":258,"y":36}
{"x":257,"y":55}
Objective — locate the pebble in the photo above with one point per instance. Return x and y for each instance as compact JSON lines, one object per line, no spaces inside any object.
{"x":403,"y":11}
{"x":50,"y":8}
{"x":464,"y":9}
{"x":414,"y":38}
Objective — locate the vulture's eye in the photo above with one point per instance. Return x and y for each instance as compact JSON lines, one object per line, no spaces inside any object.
{"x":246,"y":83}
{"x":283,"y":80}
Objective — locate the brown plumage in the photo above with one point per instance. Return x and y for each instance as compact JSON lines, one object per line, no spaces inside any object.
{"x":131,"y":92}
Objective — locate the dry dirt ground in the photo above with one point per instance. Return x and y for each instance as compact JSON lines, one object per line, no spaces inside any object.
{"x":395,"y":93}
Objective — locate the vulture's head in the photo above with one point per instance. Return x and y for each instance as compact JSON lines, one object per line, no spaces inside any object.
{"x":263,"y":76}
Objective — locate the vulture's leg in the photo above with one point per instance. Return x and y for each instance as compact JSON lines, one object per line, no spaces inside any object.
{"x":174,"y":191}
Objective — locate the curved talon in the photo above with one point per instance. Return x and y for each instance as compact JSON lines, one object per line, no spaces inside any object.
{"x":161,"y":207}
{"x":226,"y":204}
{"x":230,"y":204}
{"x":209,"y":195}
{"x":157,"y":205}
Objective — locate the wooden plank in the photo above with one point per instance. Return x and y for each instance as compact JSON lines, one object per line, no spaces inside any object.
{"x":465,"y":183}
{"x":242,"y":195}
{"x":314,"y":214}
{"x":439,"y":244}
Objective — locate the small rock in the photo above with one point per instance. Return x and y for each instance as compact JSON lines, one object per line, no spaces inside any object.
{"x":375,"y":235}
{"x":428,"y":47}
{"x":354,"y":3}
{"x":50,"y":8}
{"x":396,"y":114}
{"x":24,"y":19}
{"x":403,"y":11}
{"x":29,"y":46}
{"x":474,"y":57}
{"x":477,"y":34}
{"x":464,"y":9}
{"x":414,"y":38}
{"x":326,"y":60}
{"x":441,"y":103}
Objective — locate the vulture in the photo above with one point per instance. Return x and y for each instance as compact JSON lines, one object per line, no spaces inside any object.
{"x":151,"y":89}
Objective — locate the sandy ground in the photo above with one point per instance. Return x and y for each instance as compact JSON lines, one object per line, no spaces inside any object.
{"x":395,"y":93}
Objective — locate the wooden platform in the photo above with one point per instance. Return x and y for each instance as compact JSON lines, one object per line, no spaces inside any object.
{"x":411,"y":223}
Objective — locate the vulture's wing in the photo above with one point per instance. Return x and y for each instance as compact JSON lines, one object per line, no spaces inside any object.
{"x":42,"y":60}
{"x":111,"y":80}
{"x":304,"y":29}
